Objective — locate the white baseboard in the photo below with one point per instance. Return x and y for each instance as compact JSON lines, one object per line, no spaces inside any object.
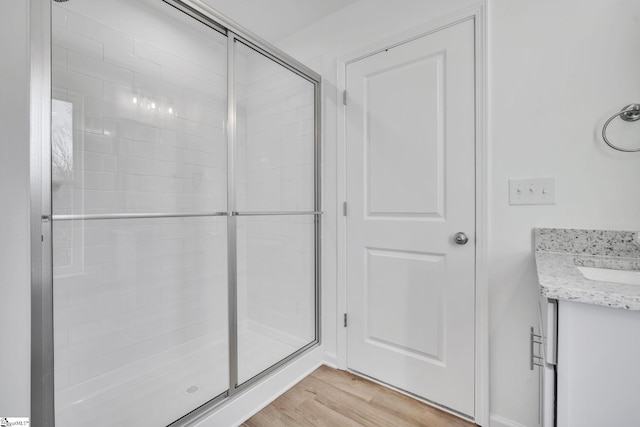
{"x":331,"y":360}
{"x":246,"y":404}
{"x":498,"y":421}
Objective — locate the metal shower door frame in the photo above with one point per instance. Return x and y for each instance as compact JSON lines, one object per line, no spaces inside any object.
{"x":42,"y":346}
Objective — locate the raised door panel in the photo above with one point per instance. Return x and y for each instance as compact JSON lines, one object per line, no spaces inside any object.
{"x":403,"y":115}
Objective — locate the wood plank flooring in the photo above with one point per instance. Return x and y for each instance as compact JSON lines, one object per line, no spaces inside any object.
{"x":333,"y":398}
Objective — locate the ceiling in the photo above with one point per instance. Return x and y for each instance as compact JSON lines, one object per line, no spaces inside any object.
{"x":274,"y":20}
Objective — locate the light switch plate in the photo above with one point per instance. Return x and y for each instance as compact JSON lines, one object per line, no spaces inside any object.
{"x":532,"y":191}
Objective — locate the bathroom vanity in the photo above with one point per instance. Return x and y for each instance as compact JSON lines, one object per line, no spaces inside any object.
{"x":590,"y":317}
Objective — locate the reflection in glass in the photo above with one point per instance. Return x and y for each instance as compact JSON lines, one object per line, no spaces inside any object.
{"x":148,"y":105}
{"x":61,"y":143}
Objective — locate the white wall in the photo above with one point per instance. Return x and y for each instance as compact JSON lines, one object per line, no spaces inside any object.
{"x":15,"y":286}
{"x":546,"y":58}
{"x":557,"y":70}
{"x":574,"y":59}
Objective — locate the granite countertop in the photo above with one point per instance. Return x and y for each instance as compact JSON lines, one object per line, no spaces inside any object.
{"x":558,"y":252}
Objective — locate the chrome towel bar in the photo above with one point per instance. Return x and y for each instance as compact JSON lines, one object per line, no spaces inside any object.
{"x":630,"y":113}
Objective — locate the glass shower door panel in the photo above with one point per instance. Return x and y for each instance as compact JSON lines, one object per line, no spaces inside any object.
{"x":139,"y":109}
{"x":275,"y":184}
{"x":138,"y":149}
{"x":140,"y":319}
{"x":275,"y":135}
{"x":276,"y":291}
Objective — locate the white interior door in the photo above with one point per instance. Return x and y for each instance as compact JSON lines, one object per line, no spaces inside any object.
{"x":410,"y":142}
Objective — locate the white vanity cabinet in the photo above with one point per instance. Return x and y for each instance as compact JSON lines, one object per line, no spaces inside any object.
{"x":590,"y":365}
{"x":598,"y":366}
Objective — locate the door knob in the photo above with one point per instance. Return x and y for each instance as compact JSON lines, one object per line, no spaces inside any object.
{"x":460,"y":238}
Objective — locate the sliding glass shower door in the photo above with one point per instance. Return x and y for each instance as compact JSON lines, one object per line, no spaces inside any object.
{"x":139,"y":165}
{"x":275,"y":204}
{"x":185,"y":223}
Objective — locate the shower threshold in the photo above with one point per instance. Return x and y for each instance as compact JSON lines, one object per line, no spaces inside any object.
{"x":179,"y":380}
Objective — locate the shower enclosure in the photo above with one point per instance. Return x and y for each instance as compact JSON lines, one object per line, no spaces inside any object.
{"x":184,"y":211}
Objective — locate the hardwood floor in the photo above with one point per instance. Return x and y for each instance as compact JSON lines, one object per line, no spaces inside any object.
{"x":333,"y":398}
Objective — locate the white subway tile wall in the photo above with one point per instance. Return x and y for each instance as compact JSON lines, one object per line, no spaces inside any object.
{"x":275,"y":172}
{"x":140,"y":305}
{"x":276,"y":293}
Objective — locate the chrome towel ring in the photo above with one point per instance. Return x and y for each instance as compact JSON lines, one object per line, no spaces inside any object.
{"x":630,"y":113}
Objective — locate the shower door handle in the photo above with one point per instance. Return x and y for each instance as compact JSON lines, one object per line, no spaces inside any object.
{"x":460,"y":238}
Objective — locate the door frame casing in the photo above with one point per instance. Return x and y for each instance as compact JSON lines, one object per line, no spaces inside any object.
{"x":478,"y":14}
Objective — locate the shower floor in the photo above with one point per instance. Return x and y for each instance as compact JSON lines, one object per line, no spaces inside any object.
{"x":159,"y":390}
